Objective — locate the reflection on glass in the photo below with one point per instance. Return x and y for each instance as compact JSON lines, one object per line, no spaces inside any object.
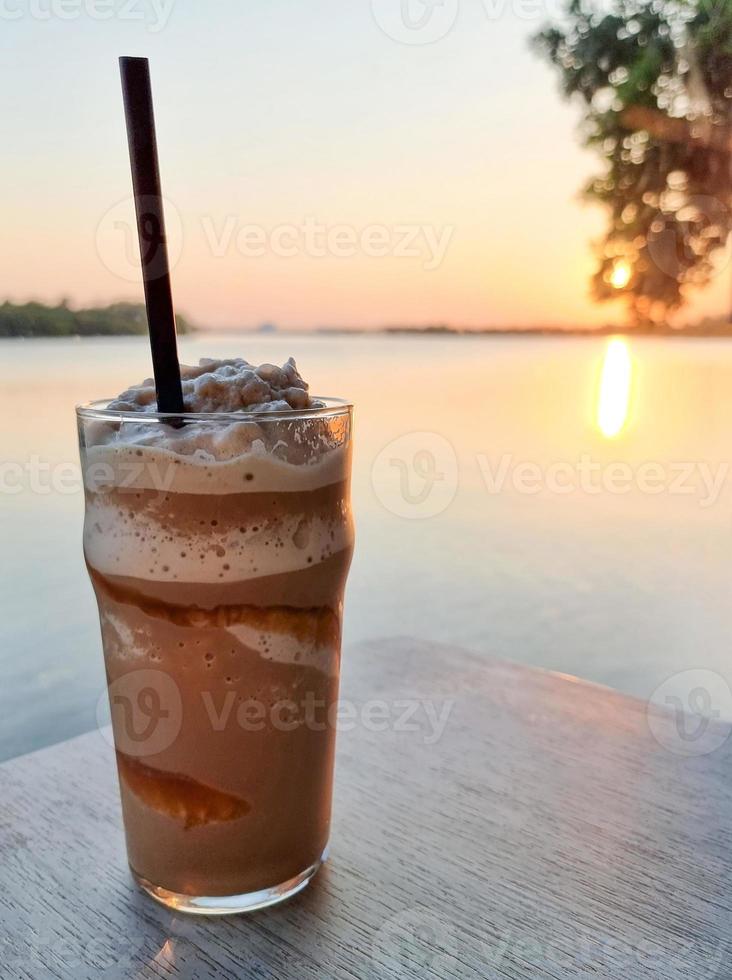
{"x":614,"y":395}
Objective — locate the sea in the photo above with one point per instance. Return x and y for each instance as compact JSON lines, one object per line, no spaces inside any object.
{"x":561,"y":502}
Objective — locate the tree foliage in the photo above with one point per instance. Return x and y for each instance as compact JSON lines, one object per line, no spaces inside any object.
{"x":38,"y":320}
{"x":655,"y":83}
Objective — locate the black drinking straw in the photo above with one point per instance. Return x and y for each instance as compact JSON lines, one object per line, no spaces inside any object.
{"x":142,"y":144}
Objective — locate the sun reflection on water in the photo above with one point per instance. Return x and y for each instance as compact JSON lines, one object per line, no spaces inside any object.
{"x":614,"y":395}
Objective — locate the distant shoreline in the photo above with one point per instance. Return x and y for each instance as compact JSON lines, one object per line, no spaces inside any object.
{"x":28,"y":320}
{"x":528,"y":334}
{"x":690,"y":331}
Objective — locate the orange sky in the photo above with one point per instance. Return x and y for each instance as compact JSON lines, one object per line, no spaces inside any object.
{"x":441,"y":178}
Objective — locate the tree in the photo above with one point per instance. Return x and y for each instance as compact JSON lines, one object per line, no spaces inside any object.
{"x":38,"y":320}
{"x":655,"y":82}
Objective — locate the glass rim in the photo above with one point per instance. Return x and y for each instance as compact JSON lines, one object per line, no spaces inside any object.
{"x":97,"y":410}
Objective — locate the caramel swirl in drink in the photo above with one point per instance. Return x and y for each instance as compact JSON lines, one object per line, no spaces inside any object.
{"x":218,"y":545}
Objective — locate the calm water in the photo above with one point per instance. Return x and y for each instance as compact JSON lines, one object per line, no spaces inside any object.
{"x":492,"y":510}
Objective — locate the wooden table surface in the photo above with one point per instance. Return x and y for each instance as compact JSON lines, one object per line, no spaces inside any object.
{"x":544,"y":833}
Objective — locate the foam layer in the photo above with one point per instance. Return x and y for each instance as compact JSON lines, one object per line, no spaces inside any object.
{"x":285,"y":648}
{"x":264,"y":636}
{"x":145,"y":548}
{"x":254,"y":469}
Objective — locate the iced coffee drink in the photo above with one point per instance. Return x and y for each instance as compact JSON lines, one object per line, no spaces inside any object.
{"x":218,"y":544}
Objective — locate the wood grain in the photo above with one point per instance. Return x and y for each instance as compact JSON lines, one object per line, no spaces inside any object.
{"x":545,"y":834}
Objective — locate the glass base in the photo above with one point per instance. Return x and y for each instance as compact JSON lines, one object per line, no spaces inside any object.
{"x":229,"y":904}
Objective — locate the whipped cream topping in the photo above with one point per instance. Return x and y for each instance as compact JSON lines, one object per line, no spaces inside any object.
{"x":229,"y":385}
{"x":262,"y":453}
{"x":251,"y":399}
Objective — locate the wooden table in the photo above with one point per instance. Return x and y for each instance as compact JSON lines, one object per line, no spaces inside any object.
{"x":546,"y":833}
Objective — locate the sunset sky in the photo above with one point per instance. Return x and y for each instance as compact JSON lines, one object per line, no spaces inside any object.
{"x":305,"y":132}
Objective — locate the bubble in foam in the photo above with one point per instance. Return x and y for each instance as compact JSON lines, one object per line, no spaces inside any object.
{"x":301,"y":537}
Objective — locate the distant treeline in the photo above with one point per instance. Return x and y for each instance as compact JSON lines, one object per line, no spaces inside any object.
{"x":38,"y":320}
{"x":708,"y":327}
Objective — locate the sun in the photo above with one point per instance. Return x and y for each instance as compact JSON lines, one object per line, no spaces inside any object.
{"x":620,"y":276}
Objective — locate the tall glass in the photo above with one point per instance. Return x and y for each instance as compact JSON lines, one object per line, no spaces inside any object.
{"x":218,"y":547}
